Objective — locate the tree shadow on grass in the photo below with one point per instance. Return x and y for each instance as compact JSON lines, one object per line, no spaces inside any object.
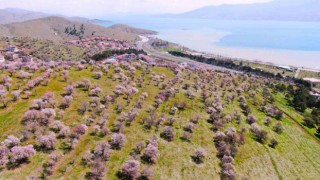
{"x":196,"y":160}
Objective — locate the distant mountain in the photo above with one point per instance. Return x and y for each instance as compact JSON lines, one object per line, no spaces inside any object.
{"x":54,"y":28}
{"x":11,"y":15}
{"x":82,"y":19}
{"x":277,"y":10}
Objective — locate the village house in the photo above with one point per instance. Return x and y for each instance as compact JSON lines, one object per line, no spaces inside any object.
{"x":12,"y":48}
{"x":2,"y":59}
{"x":287,"y":68}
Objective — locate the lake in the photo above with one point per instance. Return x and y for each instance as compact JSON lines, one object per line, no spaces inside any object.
{"x":283,"y":43}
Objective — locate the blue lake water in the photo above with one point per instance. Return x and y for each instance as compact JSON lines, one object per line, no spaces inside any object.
{"x":291,"y":43}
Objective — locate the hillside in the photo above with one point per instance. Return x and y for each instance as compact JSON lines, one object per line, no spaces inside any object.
{"x":12,"y":15}
{"x":53,"y":28}
{"x":131,"y":30}
{"x":277,"y":10}
{"x":99,"y":121}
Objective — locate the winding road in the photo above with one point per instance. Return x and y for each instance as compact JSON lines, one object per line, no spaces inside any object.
{"x":144,"y":44}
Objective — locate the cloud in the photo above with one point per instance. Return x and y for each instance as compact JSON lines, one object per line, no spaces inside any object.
{"x":100,"y":8}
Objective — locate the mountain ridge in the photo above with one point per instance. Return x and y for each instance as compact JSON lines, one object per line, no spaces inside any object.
{"x":54,"y":27}
{"x":278,"y":10}
{"x":14,"y":15}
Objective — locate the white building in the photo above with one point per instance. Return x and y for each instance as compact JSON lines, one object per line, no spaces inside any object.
{"x":2,"y":59}
{"x":287,"y":68}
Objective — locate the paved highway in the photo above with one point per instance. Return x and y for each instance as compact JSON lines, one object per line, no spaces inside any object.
{"x":145,"y":45}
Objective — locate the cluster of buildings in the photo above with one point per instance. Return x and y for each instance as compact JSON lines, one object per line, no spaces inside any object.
{"x":286,"y":68}
{"x":100,"y":43}
{"x":116,"y":60}
{"x":315,"y":92}
{"x":13,"y":53}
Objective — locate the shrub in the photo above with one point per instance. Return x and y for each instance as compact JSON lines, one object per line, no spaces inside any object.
{"x":80,"y":129}
{"x":189,"y":127}
{"x":168,"y":133}
{"x":268,"y":121}
{"x":251,"y":119}
{"x":11,"y":141}
{"x":103,"y":151}
{"x":64,"y":132}
{"x":227,"y":159}
{"x":228,"y":172}
{"x":20,"y":154}
{"x":187,"y":136}
{"x":96,"y":91}
{"x":199,"y":155}
{"x":49,"y":112}
{"x":273,"y":143}
{"x":117,"y":140}
{"x":309,"y":122}
{"x":195,"y":120}
{"x":147,"y":174}
{"x":278,"y":128}
{"x":151,"y":154}
{"x":66,"y":102}
{"x":48,"y":142}
{"x":98,"y":75}
{"x":130,"y":170}
{"x":98,"y":171}
{"x":171,"y":121}
{"x":69,"y":90}
{"x":139,"y":147}
{"x":83,"y":107}
{"x":262,"y":136}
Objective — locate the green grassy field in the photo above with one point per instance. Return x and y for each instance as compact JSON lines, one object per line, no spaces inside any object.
{"x":310,"y":74}
{"x":296,"y":156}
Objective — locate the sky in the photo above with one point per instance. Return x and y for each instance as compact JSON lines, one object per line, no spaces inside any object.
{"x":102,"y":8}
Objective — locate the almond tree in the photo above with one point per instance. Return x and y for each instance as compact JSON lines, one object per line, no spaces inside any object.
{"x":102,"y":151}
{"x":168,"y":133}
{"x":16,"y":94}
{"x":11,"y":141}
{"x":80,"y":129}
{"x":130,"y":170}
{"x":117,"y":140}
{"x":48,"y":142}
{"x":151,"y":154}
{"x":199,"y":155}
{"x":20,"y":154}
{"x":3,"y":97}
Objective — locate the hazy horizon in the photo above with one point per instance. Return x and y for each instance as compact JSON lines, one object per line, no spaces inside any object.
{"x":99,"y":8}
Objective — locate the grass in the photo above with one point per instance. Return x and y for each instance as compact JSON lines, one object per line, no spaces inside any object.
{"x":269,"y":68}
{"x":296,"y":156}
{"x":309,"y":74}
